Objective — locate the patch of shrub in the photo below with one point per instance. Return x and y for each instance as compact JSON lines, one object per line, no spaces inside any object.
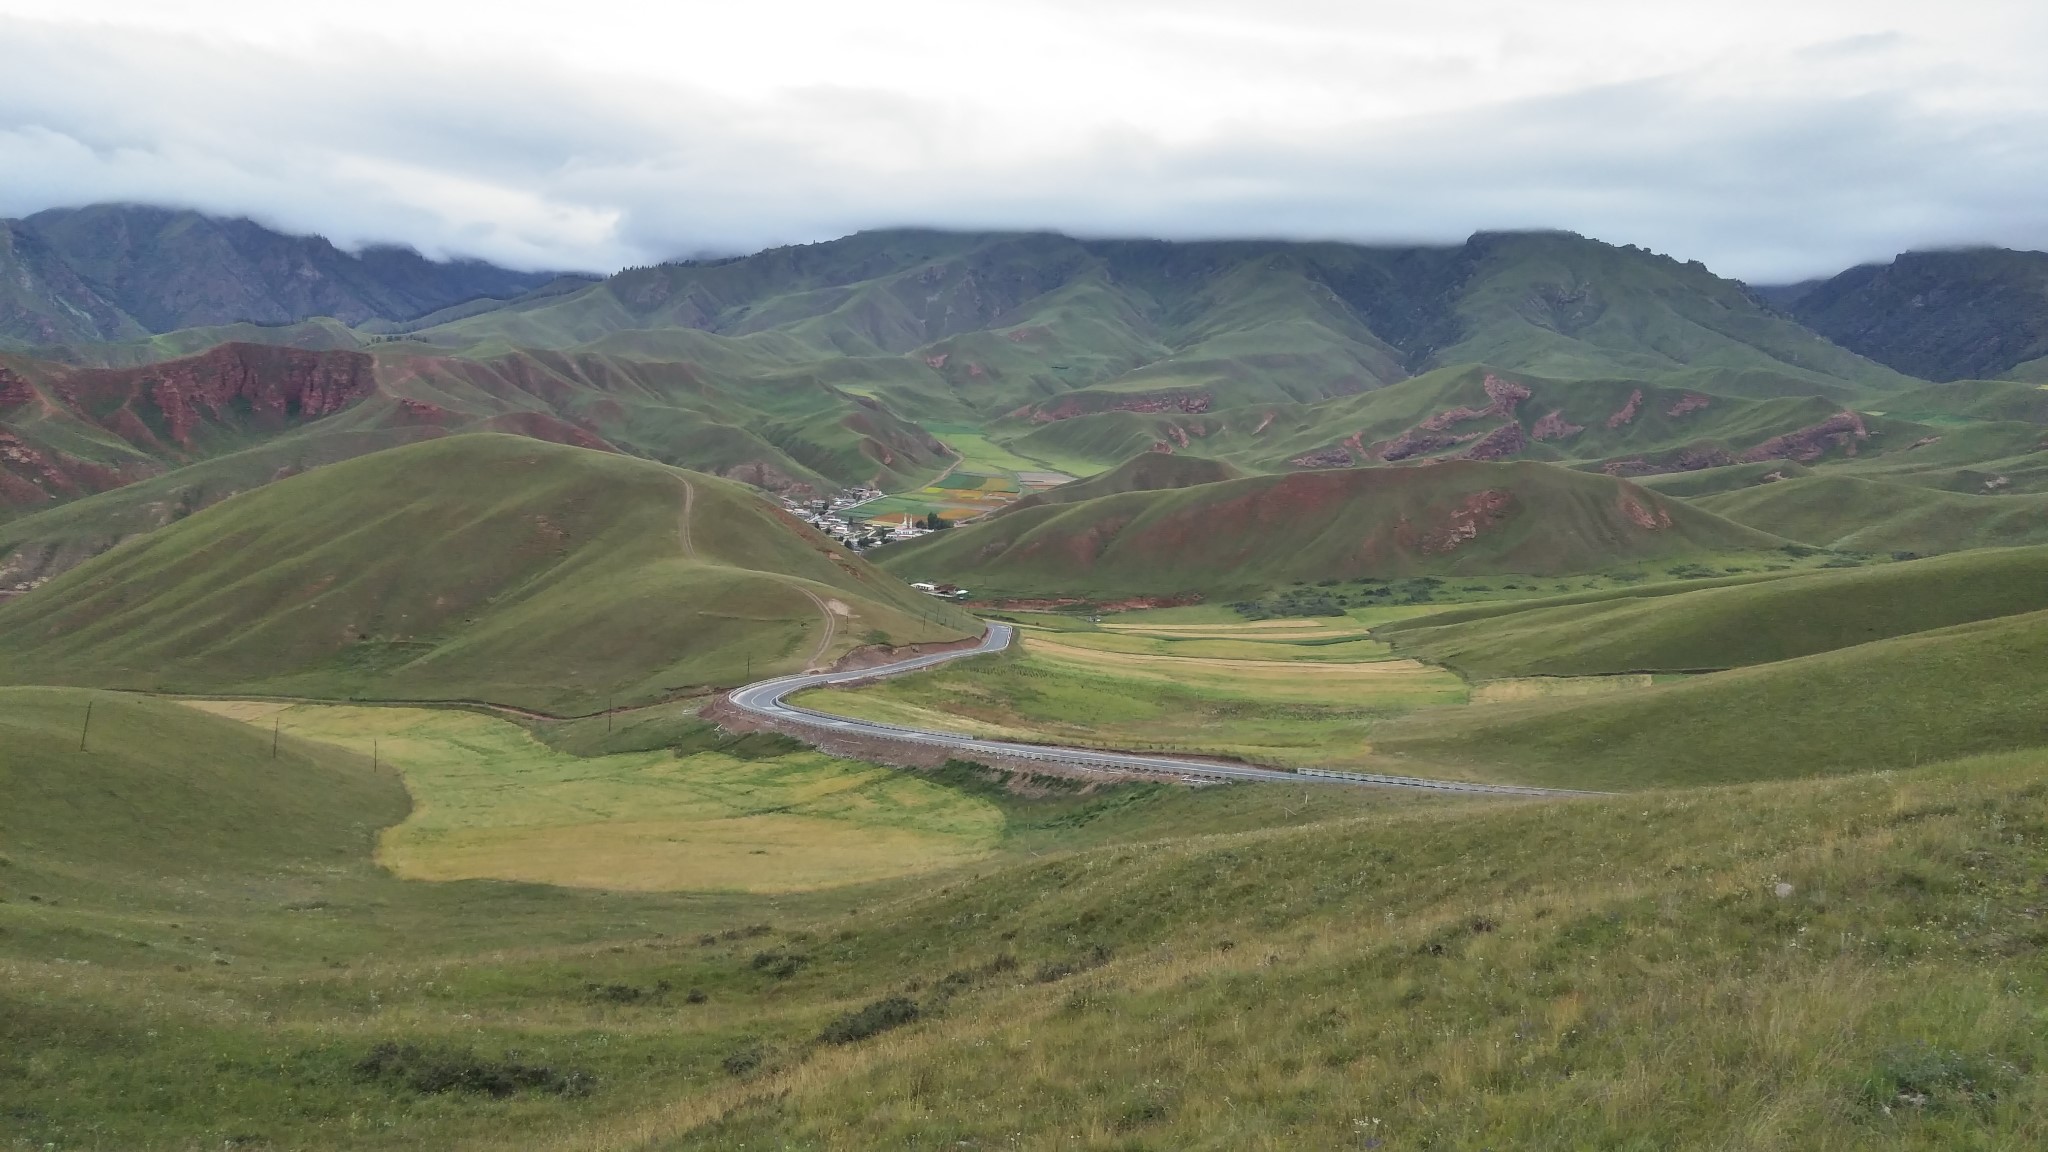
{"x":1054,"y":971}
{"x":779,"y":963}
{"x":1922,"y":1077}
{"x":873,"y":1020}
{"x":744,"y":1059}
{"x":436,"y":1071}
{"x":626,"y":993}
{"x":695,"y":996}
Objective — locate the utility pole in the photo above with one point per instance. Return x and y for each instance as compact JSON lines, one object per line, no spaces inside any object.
{"x":88,"y":726}
{"x":373,"y":757}
{"x":609,"y":701}
{"x":276,"y":723}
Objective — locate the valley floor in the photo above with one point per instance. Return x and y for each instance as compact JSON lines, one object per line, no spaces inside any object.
{"x":343,"y":927}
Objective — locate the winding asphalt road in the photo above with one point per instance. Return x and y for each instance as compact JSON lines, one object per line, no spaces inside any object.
{"x":769,"y":699}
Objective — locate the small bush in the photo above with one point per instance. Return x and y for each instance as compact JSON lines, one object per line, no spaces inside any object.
{"x":626,"y":993}
{"x":873,"y":1020}
{"x":1922,"y":1077}
{"x":436,"y":1071}
{"x":1055,"y":971}
{"x":778,"y":963}
{"x":744,"y":1059}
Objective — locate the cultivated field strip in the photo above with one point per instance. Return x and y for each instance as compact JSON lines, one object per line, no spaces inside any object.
{"x":768,"y":700}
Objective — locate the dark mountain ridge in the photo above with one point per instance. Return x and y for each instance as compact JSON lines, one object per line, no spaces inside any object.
{"x":1966,"y":314}
{"x":118,"y":272}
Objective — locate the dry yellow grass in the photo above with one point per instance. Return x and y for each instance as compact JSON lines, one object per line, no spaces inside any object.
{"x":490,"y":802}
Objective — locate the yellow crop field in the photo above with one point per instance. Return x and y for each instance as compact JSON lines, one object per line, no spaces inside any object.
{"x":1338,"y":647}
{"x":491,"y":802}
{"x":1288,"y":626}
{"x":1395,"y":682}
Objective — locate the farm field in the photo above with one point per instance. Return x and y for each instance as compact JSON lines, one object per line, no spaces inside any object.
{"x":491,"y":802}
{"x":1277,"y":709}
{"x":986,"y":478}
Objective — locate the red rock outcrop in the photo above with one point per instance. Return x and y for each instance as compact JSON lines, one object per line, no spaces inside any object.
{"x":1088,"y":404}
{"x":1331,"y":457}
{"x":1499,"y":444}
{"x":1473,"y":515}
{"x":271,"y":386}
{"x":1417,"y":442}
{"x":14,"y":390}
{"x":1688,"y":403}
{"x":1506,"y":396}
{"x":1643,"y":515}
{"x":1626,"y":414}
{"x":1555,"y":427}
{"x":1843,"y":430}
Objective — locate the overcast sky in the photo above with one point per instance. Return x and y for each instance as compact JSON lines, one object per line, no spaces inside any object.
{"x":1772,"y":139}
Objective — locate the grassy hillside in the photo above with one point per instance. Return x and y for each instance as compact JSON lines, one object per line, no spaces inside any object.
{"x":1856,"y":514}
{"x":159,"y":790}
{"x":1458,"y":516}
{"x":1676,"y":422}
{"x":486,"y":567}
{"x":1890,"y":703}
{"x":1145,"y":472}
{"x":1798,"y":965}
{"x":1753,"y":623}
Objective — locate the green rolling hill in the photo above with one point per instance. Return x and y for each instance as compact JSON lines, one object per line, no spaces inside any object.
{"x":1891,"y":703}
{"x":1856,"y":514}
{"x":1254,"y":533}
{"x":1145,"y":472}
{"x":494,"y":568}
{"x":1662,"y":629}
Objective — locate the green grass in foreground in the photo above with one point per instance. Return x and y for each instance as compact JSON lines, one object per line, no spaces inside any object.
{"x":1797,"y":965}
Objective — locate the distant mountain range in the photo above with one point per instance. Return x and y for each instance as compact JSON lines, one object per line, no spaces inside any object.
{"x":166,"y":360}
{"x":122,"y":272}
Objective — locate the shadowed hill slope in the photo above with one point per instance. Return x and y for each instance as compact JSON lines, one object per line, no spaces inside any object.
{"x":1725,"y":627}
{"x":1970,"y":314}
{"x":483,"y":567}
{"x":1455,"y":516}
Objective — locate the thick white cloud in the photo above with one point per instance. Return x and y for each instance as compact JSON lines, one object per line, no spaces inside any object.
{"x":1772,"y":140}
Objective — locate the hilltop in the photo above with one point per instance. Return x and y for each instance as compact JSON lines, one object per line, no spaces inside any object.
{"x":1452,"y":517}
{"x":1146,"y":472}
{"x":483,"y":567}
